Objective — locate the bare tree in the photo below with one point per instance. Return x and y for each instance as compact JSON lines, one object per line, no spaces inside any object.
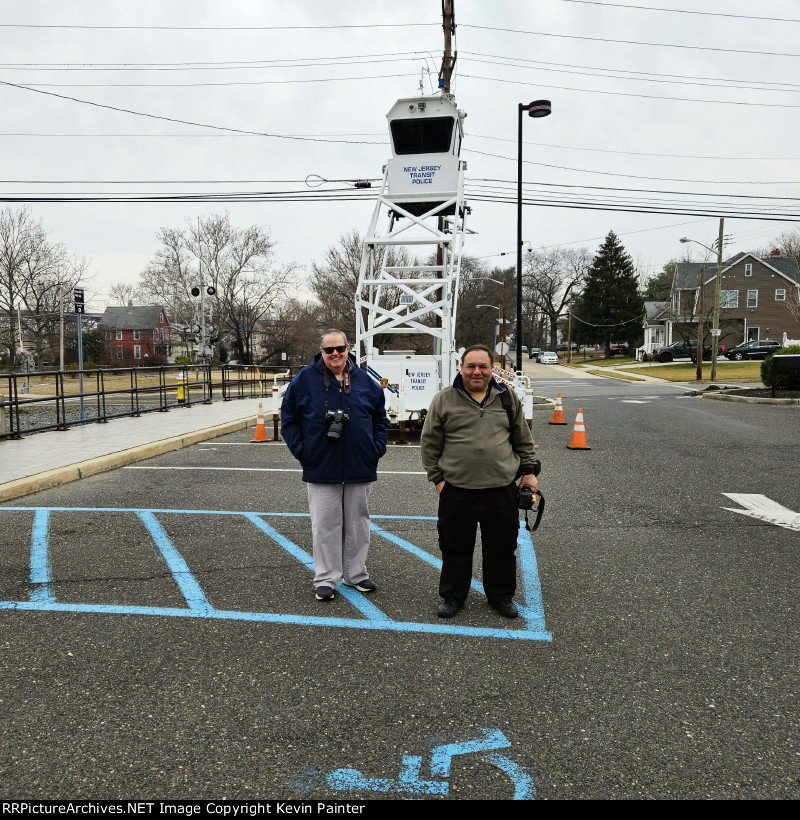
{"x":123,"y":293}
{"x":549,"y":279}
{"x":34,"y":272}
{"x":237,"y":263}
{"x":335,"y":281}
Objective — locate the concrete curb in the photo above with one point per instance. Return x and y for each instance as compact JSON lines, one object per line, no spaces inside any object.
{"x":101,"y":464}
{"x":745,"y":399}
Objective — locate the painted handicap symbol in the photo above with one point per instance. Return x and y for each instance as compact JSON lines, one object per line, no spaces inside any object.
{"x":410,"y":781}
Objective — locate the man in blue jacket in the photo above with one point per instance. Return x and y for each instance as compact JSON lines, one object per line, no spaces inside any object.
{"x":333,"y":419}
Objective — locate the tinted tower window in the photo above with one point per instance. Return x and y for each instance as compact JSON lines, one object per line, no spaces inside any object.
{"x":430,"y":135}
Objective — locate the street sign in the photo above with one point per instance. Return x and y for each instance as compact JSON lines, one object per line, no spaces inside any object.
{"x":78,"y":296}
{"x":715,"y":331}
{"x":501,"y":348}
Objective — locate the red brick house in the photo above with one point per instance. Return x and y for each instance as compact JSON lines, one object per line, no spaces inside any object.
{"x":136,"y":335}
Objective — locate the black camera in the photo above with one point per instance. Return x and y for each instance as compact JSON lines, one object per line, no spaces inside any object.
{"x":336,"y":421}
{"x":525,"y":498}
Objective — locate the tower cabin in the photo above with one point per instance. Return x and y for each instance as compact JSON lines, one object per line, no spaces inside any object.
{"x":423,"y":173}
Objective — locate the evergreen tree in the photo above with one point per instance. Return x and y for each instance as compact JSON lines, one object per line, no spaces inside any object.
{"x":610,"y":302}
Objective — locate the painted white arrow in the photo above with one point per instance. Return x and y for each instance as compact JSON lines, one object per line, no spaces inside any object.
{"x":764,"y":509}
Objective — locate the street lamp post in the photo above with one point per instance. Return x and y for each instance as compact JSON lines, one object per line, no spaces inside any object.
{"x":717,"y":291}
{"x":537,"y":110}
{"x":501,"y":311}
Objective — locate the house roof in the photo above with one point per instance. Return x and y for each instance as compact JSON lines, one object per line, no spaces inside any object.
{"x":655,"y":312}
{"x":132,"y":318}
{"x":687,"y":274}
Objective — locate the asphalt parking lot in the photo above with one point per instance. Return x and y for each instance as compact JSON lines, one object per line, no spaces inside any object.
{"x":171,"y":646}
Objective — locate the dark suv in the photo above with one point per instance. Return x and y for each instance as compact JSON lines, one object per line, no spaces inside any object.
{"x":680,"y":350}
{"x":758,"y":349}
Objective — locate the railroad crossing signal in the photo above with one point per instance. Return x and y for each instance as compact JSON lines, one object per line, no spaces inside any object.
{"x":78,"y":295}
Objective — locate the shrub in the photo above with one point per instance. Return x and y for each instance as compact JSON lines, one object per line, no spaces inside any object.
{"x":72,"y":366}
{"x":117,"y":363}
{"x":182,"y":360}
{"x":787,"y":379}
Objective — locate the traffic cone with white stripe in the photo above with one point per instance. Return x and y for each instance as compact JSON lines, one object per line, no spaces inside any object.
{"x":261,"y":430}
{"x":558,"y":413}
{"x":578,"y":440}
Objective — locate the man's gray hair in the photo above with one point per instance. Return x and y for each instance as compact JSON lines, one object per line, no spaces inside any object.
{"x":330,"y":331}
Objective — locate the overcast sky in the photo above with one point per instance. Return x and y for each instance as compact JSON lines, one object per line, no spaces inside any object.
{"x":687,"y":116}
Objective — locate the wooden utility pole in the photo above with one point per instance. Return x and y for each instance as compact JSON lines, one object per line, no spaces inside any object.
{"x":448,"y":58}
{"x":445,"y":73}
{"x":701,"y":323}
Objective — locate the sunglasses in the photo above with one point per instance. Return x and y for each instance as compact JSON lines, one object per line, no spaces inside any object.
{"x":337,"y":348}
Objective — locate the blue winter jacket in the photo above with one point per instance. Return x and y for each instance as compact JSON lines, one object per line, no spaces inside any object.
{"x":353,"y":457}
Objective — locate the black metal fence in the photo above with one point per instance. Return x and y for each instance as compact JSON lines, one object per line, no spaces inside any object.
{"x":59,"y":399}
{"x":253,"y":382}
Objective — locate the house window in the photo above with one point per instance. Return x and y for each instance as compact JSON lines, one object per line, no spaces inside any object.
{"x":119,"y":335}
{"x":729,"y":298}
{"x":780,"y":295}
{"x":119,"y":350}
{"x":752,"y":298}
{"x":137,"y":351}
{"x":753,"y":334}
{"x":675,"y":301}
{"x":137,"y":334}
{"x":748,"y":269}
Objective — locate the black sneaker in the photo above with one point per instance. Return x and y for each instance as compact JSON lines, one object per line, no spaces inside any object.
{"x":324,"y":593}
{"x":367,"y":585}
{"x":448,"y":608}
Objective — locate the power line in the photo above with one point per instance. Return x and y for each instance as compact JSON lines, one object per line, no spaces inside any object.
{"x":631,"y":94}
{"x":180,"y":122}
{"x":683,"y":11}
{"x":217,"y":28}
{"x":627,"y":152}
{"x":220,"y":65}
{"x":219,"y":84}
{"x":631,"y":42}
{"x":636,"y":176}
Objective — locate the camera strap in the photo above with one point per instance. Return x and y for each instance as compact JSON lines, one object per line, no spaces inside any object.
{"x":539,"y":512}
{"x":344,"y":387}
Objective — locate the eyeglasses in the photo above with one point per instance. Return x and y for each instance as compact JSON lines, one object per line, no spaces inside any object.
{"x":484,"y":368}
{"x":337,"y":348}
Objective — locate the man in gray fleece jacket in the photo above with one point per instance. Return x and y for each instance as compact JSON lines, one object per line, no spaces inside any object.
{"x":473,"y":453}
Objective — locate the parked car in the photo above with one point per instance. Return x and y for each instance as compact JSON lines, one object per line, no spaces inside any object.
{"x":548,"y":357}
{"x":534,"y":352}
{"x":563,"y":346}
{"x":617,"y":349}
{"x":680,"y":350}
{"x":524,"y":348}
{"x":758,"y":349}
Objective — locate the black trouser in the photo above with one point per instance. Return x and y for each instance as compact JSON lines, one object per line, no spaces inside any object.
{"x":460,"y":512}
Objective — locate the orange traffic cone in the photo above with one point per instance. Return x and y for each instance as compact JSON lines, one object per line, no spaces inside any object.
{"x":261,"y":430}
{"x":558,"y":413}
{"x":578,"y":440}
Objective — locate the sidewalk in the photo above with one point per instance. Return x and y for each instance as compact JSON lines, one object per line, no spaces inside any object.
{"x":43,"y":460}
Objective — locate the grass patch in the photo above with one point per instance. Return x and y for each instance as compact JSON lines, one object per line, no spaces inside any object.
{"x":601,"y":362}
{"x":686,"y":371}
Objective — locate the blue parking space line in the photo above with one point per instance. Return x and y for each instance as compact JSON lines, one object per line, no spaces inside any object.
{"x":40,"y":559}
{"x":186,"y":582}
{"x":533,"y":616}
{"x":267,"y":617}
{"x":353,"y":596}
{"x":533,"y":611}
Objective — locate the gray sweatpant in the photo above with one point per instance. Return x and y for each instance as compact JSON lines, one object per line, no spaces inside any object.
{"x":340,"y":532}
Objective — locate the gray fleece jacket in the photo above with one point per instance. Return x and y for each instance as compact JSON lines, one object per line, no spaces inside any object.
{"x":469,"y":446}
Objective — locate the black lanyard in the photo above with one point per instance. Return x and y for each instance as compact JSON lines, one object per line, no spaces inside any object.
{"x":344,"y":387}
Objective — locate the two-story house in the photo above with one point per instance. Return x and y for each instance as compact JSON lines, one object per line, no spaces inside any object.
{"x":136,"y":335}
{"x":753,"y":296}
